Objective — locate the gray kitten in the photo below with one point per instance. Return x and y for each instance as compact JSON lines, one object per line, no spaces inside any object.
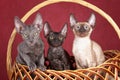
{"x":30,"y":51}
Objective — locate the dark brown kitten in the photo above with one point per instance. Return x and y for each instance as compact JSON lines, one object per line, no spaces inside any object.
{"x":57,"y":56}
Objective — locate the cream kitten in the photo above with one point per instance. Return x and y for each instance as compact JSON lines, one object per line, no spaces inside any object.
{"x":87,"y":52}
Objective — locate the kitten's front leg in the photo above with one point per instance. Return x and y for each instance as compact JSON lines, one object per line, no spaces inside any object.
{"x":78,"y":66}
{"x":31,"y":65}
{"x":91,"y":60}
{"x":40,"y":55}
{"x":56,"y":64}
{"x":41,"y":61}
{"x":91,"y":63}
{"x":20,"y":60}
{"x":65,"y":62}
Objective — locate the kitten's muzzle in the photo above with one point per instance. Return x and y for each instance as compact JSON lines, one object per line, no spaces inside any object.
{"x":56,"y":43}
{"x":31,"y":42}
{"x":82,"y":30}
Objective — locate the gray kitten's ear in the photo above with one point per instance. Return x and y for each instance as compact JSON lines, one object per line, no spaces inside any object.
{"x":92,"y":20}
{"x":47,"y":29}
{"x":19,"y":25}
{"x":64,"y":30}
{"x":38,"y":22}
{"x":73,"y":21}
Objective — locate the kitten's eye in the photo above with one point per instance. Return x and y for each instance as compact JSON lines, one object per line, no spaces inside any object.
{"x":78,"y":27}
{"x":51,"y":37}
{"x":60,"y":37}
{"x":36,"y":34}
{"x":25,"y":35}
{"x":86,"y":27}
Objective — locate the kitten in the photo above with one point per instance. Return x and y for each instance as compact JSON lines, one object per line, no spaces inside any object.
{"x":87,"y":52}
{"x":57,"y":56}
{"x":30,"y":51}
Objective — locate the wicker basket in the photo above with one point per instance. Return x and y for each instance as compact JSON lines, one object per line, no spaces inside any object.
{"x":110,"y":67}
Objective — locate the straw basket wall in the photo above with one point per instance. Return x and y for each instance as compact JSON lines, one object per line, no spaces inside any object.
{"x":110,"y":67}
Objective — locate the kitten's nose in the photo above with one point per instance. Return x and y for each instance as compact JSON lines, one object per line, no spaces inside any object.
{"x":31,"y":41}
{"x":56,"y":40}
{"x":82,"y":29}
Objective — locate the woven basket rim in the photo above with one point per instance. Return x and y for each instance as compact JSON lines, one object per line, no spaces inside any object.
{"x":48,"y":2}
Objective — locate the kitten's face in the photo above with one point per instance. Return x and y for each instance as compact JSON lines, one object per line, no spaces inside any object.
{"x":55,"y":39}
{"x":29,"y":33}
{"x":82,"y":29}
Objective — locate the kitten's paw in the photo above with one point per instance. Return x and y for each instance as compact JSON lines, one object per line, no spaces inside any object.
{"x":67,"y":67}
{"x":42,"y":68}
{"x":32,"y":66}
{"x":93,"y":64}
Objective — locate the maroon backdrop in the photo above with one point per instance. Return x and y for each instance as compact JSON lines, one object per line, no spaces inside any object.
{"x":57,"y":15}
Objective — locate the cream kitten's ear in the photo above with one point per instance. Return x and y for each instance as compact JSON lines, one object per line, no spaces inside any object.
{"x":47,"y":29}
{"x":64,"y":30}
{"x":73,"y":21}
{"x":92,"y":20}
{"x":38,"y":22}
{"x":19,"y":25}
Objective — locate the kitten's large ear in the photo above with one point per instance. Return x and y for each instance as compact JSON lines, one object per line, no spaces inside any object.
{"x":47,"y":29}
{"x":19,"y":25}
{"x":92,"y":20}
{"x":73,"y":21}
{"x":38,"y":22}
{"x":64,"y":30}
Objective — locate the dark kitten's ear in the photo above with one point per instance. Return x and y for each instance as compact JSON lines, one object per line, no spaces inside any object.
{"x":64,"y":30}
{"x":92,"y":20}
{"x":38,"y":22}
{"x":73,"y":21}
{"x":19,"y":25}
{"x":47,"y":29}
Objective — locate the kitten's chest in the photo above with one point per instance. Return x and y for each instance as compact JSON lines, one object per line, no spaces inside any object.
{"x":81,"y":46}
{"x":36,"y":50}
{"x":56,"y":52}
{"x":32,"y":50}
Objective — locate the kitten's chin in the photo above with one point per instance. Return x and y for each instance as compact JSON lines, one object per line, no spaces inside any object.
{"x":56,"y":45}
{"x":31,"y":44}
{"x":82,"y":35}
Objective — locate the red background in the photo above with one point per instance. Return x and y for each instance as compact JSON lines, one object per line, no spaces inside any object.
{"x":57,"y":15}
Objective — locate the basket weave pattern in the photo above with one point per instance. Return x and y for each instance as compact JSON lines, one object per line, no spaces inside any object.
{"x":110,"y":67}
